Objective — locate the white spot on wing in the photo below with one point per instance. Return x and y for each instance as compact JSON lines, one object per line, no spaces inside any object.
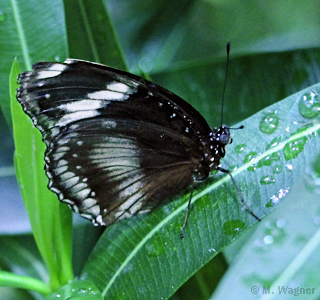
{"x":82,"y":105}
{"x":51,"y":73}
{"x":88,"y":203}
{"x":84,"y":193}
{"x":90,"y":206}
{"x":120,"y":87}
{"x":79,"y":115}
{"x":68,"y":201}
{"x":119,"y":215}
{"x":67,"y":175}
{"x":100,"y":221}
{"x":94,"y":210}
{"x":124,"y":206}
{"x":58,"y":155}
{"x":70,"y":182}
{"x":55,"y":190}
{"x":61,"y":163}
{"x":136,"y":207}
{"x":60,"y":170}
{"x":108,"y":95}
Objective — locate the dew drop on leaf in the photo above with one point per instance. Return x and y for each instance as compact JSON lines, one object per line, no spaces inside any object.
{"x":250,"y":158}
{"x":233,"y":226}
{"x":277,"y":169}
{"x":293,"y":148}
{"x":275,"y":142}
{"x":269,"y":159}
{"x":275,"y":199}
{"x":269,"y":123}
{"x":309,"y":105}
{"x":267,"y":180}
{"x":240,"y":148}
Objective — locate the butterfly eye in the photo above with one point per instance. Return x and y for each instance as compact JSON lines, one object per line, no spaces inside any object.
{"x":224,"y":139}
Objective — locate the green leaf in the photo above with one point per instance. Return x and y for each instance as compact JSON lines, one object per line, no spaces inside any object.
{"x":181,"y":45}
{"x":50,"y":220}
{"x":121,"y":264}
{"x":24,"y":34}
{"x":202,"y":284}
{"x":98,"y":41}
{"x":52,"y":231}
{"x":262,"y":263}
{"x":23,"y":282}
{"x":19,"y":254}
{"x":77,"y":290}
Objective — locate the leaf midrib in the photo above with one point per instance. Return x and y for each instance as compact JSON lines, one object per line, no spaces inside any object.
{"x":277,"y":148}
{"x":23,"y":42}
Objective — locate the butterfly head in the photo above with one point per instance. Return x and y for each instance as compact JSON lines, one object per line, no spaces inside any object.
{"x":221,"y":136}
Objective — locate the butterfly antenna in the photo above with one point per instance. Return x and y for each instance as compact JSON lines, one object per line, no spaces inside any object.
{"x":236,"y":128}
{"x":225,"y":81}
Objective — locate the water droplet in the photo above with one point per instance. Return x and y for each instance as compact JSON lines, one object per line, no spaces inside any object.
{"x":3,"y":16}
{"x":265,"y":161}
{"x":289,"y":167}
{"x":275,"y":142}
{"x":309,"y":105}
{"x":233,"y":226}
{"x":232,"y":168}
{"x":240,"y":148}
{"x":250,"y":157}
{"x":267,"y":180}
{"x":269,"y":123}
{"x":146,"y":64}
{"x":269,"y":204}
{"x":269,"y":159}
{"x":277,"y":169}
{"x":293,"y":148}
{"x":275,"y":199}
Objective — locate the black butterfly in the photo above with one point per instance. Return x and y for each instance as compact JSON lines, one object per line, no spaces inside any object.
{"x":117,"y":144}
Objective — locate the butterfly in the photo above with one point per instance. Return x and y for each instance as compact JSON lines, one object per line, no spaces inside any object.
{"x":117,"y":145}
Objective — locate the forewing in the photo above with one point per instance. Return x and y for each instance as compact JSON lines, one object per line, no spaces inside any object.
{"x":55,"y":94}
{"x":117,"y":145}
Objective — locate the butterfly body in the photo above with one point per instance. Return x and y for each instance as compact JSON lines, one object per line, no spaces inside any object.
{"x":117,"y":144}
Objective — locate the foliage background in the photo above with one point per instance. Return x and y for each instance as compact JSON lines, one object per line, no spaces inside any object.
{"x":181,"y":45}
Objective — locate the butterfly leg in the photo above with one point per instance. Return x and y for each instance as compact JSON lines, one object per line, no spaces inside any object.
{"x":239,"y":193}
{"x":186,"y":218}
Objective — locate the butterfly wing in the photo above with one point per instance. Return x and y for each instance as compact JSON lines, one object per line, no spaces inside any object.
{"x":117,"y":145}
